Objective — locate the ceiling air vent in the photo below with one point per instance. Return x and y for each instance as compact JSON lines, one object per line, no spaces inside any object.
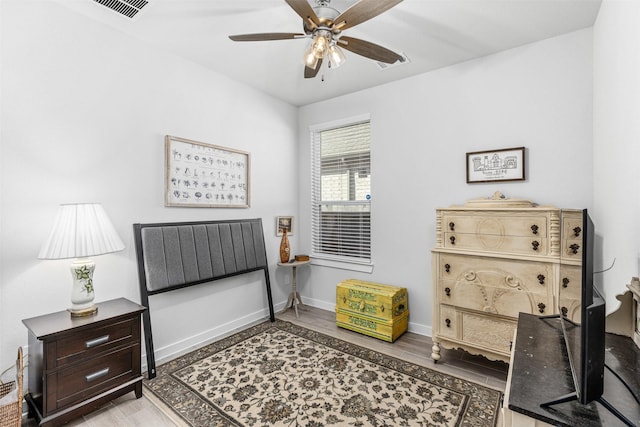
{"x":385,"y":66}
{"x":128,"y":8}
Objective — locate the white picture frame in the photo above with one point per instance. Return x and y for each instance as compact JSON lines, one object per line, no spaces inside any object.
{"x":205,"y":176}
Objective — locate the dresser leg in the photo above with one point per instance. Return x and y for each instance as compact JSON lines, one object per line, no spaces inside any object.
{"x":138,"y":390}
{"x":435,"y":352}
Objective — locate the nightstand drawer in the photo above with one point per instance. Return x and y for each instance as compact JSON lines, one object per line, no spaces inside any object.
{"x":80,"y":345}
{"x":81,"y":381}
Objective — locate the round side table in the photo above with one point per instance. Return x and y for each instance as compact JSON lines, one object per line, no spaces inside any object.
{"x":294,"y":297}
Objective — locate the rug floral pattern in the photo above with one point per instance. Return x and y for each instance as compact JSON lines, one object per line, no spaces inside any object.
{"x":282,"y":374}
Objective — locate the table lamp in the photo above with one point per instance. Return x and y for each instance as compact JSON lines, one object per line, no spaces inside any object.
{"x":80,"y":231}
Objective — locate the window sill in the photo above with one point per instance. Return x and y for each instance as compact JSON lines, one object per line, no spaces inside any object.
{"x":344,"y":265}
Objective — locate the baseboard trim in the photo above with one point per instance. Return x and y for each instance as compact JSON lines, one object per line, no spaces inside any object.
{"x":203,"y":338}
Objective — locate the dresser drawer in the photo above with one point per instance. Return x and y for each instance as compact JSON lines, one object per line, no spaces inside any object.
{"x":92,"y":341}
{"x":570,"y":282}
{"x":505,"y":287}
{"x":477,"y":329}
{"x":536,"y":246}
{"x":526,"y":276}
{"x":496,"y":224}
{"x":572,"y":235}
{"x":488,"y":332}
{"x":78,"y":382}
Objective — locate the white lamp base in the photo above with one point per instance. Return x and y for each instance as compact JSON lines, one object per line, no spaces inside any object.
{"x":82,"y":294}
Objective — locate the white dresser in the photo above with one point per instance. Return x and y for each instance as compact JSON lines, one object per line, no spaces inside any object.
{"x":497,"y":257}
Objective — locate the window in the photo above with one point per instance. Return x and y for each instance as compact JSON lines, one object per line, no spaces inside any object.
{"x":341,"y":189}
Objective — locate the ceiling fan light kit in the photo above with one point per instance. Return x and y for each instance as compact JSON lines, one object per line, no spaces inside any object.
{"x":324,"y":25}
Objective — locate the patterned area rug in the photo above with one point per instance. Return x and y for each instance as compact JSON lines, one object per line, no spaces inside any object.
{"x":282,"y":374}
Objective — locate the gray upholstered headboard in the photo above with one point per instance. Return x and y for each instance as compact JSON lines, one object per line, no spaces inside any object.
{"x":176,"y":255}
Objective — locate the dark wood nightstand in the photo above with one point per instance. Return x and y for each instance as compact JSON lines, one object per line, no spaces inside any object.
{"x":78,"y":364}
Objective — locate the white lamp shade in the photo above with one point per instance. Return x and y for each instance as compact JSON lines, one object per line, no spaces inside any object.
{"x":81,"y":230}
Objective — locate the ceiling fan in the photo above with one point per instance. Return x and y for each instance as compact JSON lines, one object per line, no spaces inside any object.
{"x":324,"y":25}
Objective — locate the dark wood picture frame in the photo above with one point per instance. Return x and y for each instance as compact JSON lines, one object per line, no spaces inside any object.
{"x":506,"y":164}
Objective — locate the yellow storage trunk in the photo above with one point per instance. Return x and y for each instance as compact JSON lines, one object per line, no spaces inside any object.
{"x":377,"y":310}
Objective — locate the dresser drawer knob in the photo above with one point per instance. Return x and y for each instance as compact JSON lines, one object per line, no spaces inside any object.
{"x":447,"y":268}
{"x":97,"y":341}
{"x":576,"y":231}
{"x":565,"y":282}
{"x":381,"y":308}
{"x":535,"y":245}
{"x":448,"y":322}
{"x":447,"y":291}
{"x":564,"y":311}
{"x":344,"y":300}
{"x":101,"y":373}
{"x":452,"y":226}
{"x":452,"y":239}
{"x":574,"y":248}
{"x":541,"y":307}
{"x":534,"y":229}
{"x":541,"y":279}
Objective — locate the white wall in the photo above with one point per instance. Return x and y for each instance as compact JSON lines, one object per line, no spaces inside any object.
{"x":84,"y":111}
{"x":538,"y":96}
{"x":616,"y":134}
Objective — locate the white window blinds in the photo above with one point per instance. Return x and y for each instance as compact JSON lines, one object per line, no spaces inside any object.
{"x":341,"y":188}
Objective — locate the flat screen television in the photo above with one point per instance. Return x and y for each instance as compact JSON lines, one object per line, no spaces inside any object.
{"x":585,"y":337}
{"x":585,"y":340}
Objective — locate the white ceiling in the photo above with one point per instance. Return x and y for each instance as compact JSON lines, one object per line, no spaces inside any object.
{"x":431,"y":33}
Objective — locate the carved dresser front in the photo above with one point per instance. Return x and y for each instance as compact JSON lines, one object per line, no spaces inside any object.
{"x":495,"y":258}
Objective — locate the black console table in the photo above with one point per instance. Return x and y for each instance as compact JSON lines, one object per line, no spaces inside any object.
{"x":540,"y":372}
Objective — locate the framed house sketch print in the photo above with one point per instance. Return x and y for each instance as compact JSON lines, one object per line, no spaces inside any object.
{"x":496,"y":165}
{"x":205,"y":176}
{"x":284,"y":222}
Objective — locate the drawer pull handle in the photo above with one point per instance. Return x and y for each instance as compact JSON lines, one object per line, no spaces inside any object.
{"x":535,"y":245}
{"x":452,"y":226}
{"x":447,"y":291}
{"x":565,"y":282}
{"x":564,"y":311}
{"x":541,"y":279}
{"x":448,"y":322}
{"x":541,"y":307}
{"x":576,"y":231}
{"x":534,"y":229}
{"x":92,"y":343}
{"x":447,"y":268}
{"x":101,"y":373}
{"x":452,"y":239}
{"x":344,"y":300}
{"x":381,"y":308}
{"x":574,"y":248}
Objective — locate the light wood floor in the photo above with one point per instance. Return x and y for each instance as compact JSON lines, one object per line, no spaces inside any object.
{"x":129,"y":411}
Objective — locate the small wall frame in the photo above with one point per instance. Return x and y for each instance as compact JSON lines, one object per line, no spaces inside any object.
{"x":506,"y":164}
{"x":205,"y":176}
{"x":284,"y":222}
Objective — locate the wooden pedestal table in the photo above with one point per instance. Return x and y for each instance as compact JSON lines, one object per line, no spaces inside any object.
{"x":294,"y":297}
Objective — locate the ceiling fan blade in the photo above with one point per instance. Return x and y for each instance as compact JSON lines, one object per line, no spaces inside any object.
{"x":369,"y":50}
{"x":362,"y":11}
{"x":310,"y":73}
{"x":265,"y":36}
{"x":304,"y":9}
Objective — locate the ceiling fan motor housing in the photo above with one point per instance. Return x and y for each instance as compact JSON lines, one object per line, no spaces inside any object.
{"x":326,"y":15}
